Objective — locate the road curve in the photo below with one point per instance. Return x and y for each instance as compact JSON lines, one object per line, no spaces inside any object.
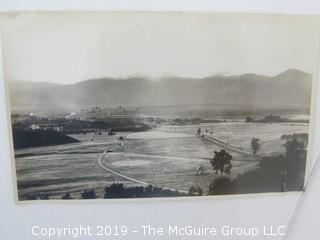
{"x":134,"y":180}
{"x":99,"y":160}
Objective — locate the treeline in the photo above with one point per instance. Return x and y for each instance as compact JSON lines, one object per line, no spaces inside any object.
{"x":118,"y":190}
{"x":117,"y":125}
{"x":187,"y":121}
{"x":275,"y":119}
{"x":78,"y":126}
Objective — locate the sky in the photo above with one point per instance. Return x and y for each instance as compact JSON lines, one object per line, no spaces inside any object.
{"x":71,"y":47}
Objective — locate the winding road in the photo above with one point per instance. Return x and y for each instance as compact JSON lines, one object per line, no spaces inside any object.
{"x":134,"y":180}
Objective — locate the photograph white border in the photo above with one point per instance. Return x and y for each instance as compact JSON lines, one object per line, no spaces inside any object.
{"x":310,"y":150}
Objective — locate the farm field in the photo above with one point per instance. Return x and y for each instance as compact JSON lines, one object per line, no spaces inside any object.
{"x":166,"y":156}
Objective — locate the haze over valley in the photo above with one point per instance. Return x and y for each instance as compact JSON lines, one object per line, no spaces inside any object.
{"x":249,"y":92}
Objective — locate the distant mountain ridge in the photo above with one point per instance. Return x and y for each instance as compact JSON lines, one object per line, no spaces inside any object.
{"x":291,"y":88}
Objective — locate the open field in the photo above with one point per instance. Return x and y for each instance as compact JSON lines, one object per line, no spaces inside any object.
{"x":167,"y":156}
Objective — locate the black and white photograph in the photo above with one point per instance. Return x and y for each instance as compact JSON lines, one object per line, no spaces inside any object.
{"x":114,"y":105}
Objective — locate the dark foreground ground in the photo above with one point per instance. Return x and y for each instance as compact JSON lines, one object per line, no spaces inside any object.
{"x":37,"y":138}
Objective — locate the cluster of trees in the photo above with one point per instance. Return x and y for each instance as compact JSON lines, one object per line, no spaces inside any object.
{"x":118,"y":190}
{"x":221,"y":162}
{"x":274,"y":173}
{"x":267,"y":119}
{"x":184,"y":121}
{"x":267,"y":177}
{"x":195,"y":191}
{"x":123,"y":125}
{"x":76,"y":125}
{"x":274,"y":119}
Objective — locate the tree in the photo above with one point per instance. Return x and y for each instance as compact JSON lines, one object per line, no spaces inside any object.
{"x":294,"y":163}
{"x":295,"y":149}
{"x":200,"y":191}
{"x":249,"y":119}
{"x":88,"y":194}
{"x":115,"y":190}
{"x":255,"y":145}
{"x":221,"y":162}
{"x":67,"y":196}
{"x":195,"y":191}
{"x":199,"y":131}
{"x":44,"y":197}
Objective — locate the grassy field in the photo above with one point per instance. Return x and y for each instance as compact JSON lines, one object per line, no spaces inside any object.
{"x":167,"y":156}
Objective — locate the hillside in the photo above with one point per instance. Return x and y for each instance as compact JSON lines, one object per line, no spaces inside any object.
{"x":37,"y":138}
{"x":291,"y":88}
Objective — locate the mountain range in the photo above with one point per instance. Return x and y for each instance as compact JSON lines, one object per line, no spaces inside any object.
{"x":289,"y":89}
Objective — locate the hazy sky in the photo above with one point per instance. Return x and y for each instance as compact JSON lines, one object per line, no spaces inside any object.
{"x":71,"y":47}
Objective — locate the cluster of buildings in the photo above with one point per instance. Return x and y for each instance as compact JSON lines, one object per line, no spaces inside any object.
{"x":31,"y":121}
{"x":46,"y":126}
{"x":97,"y":113}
